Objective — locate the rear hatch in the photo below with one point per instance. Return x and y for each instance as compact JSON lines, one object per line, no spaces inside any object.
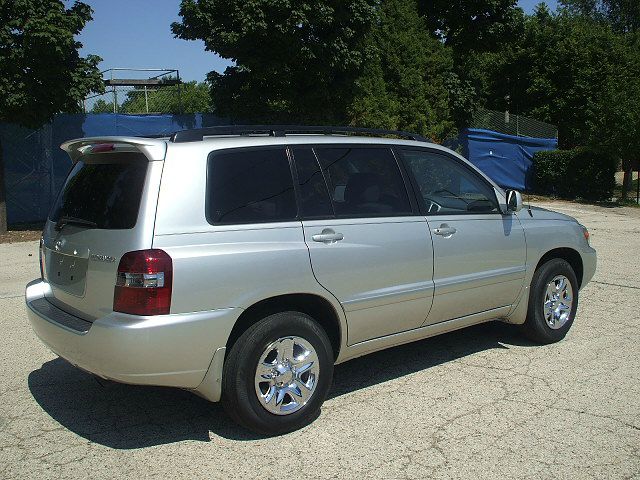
{"x":105,"y":208}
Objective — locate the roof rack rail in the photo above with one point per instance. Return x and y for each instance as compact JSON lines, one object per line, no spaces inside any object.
{"x":197,"y":134}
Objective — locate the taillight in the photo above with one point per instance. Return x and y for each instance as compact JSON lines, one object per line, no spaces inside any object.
{"x":143,"y":283}
{"x":586,"y":233}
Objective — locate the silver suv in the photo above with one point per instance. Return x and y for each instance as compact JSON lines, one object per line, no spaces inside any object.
{"x":242,"y":263}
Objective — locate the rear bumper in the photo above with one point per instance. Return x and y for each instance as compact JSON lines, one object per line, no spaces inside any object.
{"x":170,"y":350}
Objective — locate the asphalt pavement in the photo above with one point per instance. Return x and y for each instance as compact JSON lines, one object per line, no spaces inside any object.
{"x":477,"y":403}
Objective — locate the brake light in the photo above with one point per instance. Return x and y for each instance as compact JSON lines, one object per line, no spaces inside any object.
{"x":143,"y":283}
{"x":102,"y":147}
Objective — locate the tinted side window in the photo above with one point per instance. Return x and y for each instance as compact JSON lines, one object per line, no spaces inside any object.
{"x":250,"y":186}
{"x":446,"y":186}
{"x":314,"y":197}
{"x":364,"y":181}
{"x":105,"y":191}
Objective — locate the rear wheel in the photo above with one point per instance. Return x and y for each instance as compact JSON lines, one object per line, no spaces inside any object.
{"x":278,"y":374}
{"x":553,"y":301}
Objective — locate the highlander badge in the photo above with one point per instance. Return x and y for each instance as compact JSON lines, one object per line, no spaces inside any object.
{"x":102,"y":258}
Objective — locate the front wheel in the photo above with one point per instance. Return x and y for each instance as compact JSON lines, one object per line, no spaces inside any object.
{"x":553,"y":301}
{"x":278,"y":374}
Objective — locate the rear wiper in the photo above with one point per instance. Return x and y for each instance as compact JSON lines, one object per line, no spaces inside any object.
{"x":68,"y":220}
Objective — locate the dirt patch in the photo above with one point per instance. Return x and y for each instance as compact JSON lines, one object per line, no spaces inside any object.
{"x":14,"y":236}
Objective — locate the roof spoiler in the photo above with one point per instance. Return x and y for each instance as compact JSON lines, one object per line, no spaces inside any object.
{"x":153,"y":149}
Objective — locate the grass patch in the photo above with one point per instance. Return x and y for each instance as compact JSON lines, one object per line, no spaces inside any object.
{"x":536,"y":197}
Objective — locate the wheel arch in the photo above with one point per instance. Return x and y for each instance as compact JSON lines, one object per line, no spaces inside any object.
{"x":519,"y":313}
{"x":316,"y":306}
{"x":570,"y":255}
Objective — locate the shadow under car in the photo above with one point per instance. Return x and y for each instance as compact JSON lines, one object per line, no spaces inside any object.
{"x":128,"y":416}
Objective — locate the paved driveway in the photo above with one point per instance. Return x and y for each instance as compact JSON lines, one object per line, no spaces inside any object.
{"x":477,"y":403}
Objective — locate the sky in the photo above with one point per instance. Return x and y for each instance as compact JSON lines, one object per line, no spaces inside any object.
{"x":137,"y":34}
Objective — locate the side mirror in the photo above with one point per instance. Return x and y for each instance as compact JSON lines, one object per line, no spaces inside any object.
{"x":514,"y":201}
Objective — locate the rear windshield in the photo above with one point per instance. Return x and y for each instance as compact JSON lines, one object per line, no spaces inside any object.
{"x":106,"y":193}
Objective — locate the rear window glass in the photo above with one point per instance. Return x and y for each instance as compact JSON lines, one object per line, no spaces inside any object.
{"x":105,"y":193}
{"x":364,"y":181}
{"x":250,"y":186}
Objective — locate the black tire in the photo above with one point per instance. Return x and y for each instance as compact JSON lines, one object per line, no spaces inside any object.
{"x":536,"y":327}
{"x":239,"y":396}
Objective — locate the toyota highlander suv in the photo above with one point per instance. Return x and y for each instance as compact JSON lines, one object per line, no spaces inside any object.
{"x":242,"y":263}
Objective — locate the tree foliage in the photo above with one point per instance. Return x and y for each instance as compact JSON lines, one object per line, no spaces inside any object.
{"x":405,"y":85}
{"x":472,"y":25}
{"x":393,"y":64}
{"x":568,"y":70}
{"x":476,"y":31}
{"x":622,"y":15}
{"x":41,"y":71}
{"x":578,"y":70}
{"x":619,"y":121}
{"x":189,"y":97}
{"x":295,"y":61}
{"x":101,"y":106}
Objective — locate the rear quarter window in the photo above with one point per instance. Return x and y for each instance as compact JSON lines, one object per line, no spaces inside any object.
{"x":104,"y":189}
{"x":250,"y":186}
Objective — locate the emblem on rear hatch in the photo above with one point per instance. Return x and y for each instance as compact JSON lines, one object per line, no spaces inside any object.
{"x":102,"y":258}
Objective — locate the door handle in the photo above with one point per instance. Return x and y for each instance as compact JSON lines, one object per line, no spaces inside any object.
{"x":445,"y":230}
{"x":327,"y":236}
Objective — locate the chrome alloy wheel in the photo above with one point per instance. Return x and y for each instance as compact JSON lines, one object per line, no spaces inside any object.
{"x":286,"y":375}
{"x":558,"y":301}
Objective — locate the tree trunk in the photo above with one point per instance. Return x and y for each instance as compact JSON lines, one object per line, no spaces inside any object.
{"x":3,"y":196}
{"x":627,"y":182}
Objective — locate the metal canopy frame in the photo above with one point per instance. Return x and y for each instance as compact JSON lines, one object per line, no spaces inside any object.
{"x":154,"y":78}
{"x":198,"y":134}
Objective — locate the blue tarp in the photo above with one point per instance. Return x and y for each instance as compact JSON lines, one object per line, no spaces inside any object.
{"x":506,"y":159}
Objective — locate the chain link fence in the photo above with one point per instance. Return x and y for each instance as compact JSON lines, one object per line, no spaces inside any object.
{"x":138,"y":91}
{"x":29,"y":172}
{"x":510,"y":124}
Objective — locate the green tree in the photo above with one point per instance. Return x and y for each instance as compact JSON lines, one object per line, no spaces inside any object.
{"x":295,"y":61}
{"x":619,"y":119}
{"x":405,"y":85}
{"x":101,"y":106}
{"x":190,"y":97}
{"x":41,"y":71}
{"x":622,"y":15}
{"x":577,"y":73}
{"x":624,"y":18}
{"x":472,"y":25}
{"x":476,"y":31}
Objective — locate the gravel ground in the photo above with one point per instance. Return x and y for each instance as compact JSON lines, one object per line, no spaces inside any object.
{"x":478,"y":403}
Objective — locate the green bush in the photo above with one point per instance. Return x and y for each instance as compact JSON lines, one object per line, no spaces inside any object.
{"x":579,"y":173}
